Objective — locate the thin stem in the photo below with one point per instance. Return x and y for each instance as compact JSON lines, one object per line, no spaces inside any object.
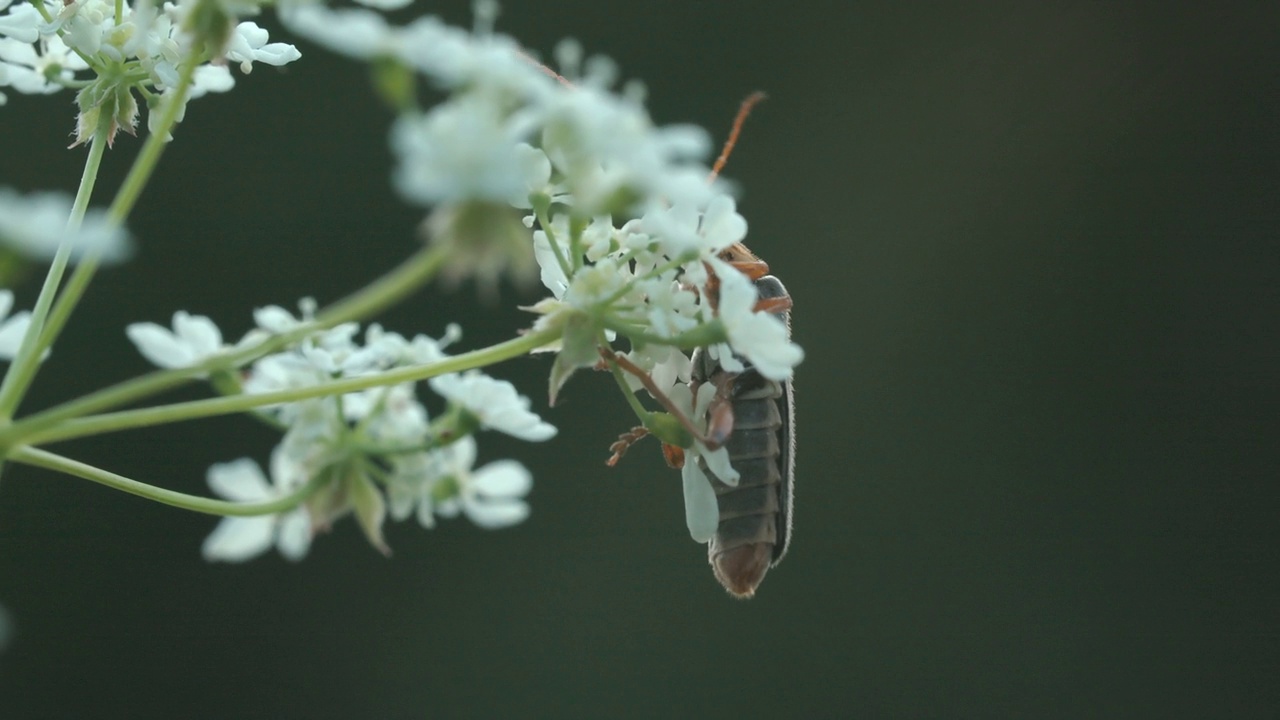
{"x":614,"y":369}
{"x":145,"y":417}
{"x":378,"y":295}
{"x":195,"y":503}
{"x":657,"y":393}
{"x":387,"y":290}
{"x":545,"y":221}
{"x":706,"y":334}
{"x":143,"y":167}
{"x":27,"y":363}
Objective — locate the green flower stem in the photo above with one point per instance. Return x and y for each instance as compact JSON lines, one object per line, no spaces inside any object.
{"x":195,"y":503}
{"x":706,"y":334}
{"x":111,"y":422}
{"x":139,"y":174}
{"x":544,"y":220}
{"x":636,"y":406}
{"x":27,"y":362}
{"x":387,"y":290}
{"x":378,"y":295}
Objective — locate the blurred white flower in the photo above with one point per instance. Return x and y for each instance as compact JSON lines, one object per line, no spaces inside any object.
{"x":492,"y":496}
{"x":34,"y":225}
{"x":681,"y":229}
{"x":237,"y":539}
{"x":249,"y":45}
{"x":193,"y":339}
{"x":467,"y":149}
{"x":495,"y":403}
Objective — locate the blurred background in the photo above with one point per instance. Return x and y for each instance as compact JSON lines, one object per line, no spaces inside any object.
{"x":1032,"y":252}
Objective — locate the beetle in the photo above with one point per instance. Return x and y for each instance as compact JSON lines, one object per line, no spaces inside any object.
{"x":752,"y":417}
{"x":756,"y":418}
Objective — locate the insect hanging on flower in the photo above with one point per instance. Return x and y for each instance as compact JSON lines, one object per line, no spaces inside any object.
{"x":752,"y":417}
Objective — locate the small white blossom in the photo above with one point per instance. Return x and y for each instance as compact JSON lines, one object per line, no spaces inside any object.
{"x":495,"y":403}
{"x":467,"y":149}
{"x":249,"y":44}
{"x":604,"y":145}
{"x":35,"y":224}
{"x":682,"y":230}
{"x":759,"y":337}
{"x":193,"y":339}
{"x":21,"y":23}
{"x":237,"y":539}
{"x":492,"y":496}
{"x":356,"y":33}
{"x":702,"y":513}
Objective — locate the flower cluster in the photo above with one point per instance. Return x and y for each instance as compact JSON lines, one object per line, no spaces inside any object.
{"x":113,"y":52}
{"x":523,"y":173}
{"x":361,"y":452}
{"x":628,"y":232}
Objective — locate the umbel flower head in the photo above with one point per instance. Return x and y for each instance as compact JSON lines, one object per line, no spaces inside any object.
{"x":116,"y":55}
{"x":363,"y":453}
{"x":625,"y":228}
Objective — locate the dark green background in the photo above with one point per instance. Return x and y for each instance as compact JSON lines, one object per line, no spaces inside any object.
{"x":1031,"y":247}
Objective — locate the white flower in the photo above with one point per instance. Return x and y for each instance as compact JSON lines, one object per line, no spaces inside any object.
{"x":85,"y":24}
{"x":605,"y":145}
{"x":237,"y":539}
{"x":35,"y":224}
{"x":409,"y":486}
{"x":759,"y":337}
{"x":356,"y":33}
{"x":484,"y":62}
{"x":21,"y":23}
{"x":492,"y":496}
{"x":467,"y":149}
{"x":12,"y":327}
{"x":591,"y":286}
{"x":386,"y":4}
{"x":275,"y":319}
{"x":193,"y":339}
{"x":495,"y":403}
{"x":665,"y":364}
{"x":682,"y":230}
{"x":249,"y":44}
{"x":702,"y":513}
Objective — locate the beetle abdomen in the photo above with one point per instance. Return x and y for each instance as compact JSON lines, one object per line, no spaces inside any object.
{"x":743,"y":547}
{"x":755,"y":514}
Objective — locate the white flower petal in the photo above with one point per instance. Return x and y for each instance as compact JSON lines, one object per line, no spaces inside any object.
{"x":504,"y":478}
{"x":200,"y":332}
{"x":492,"y":515}
{"x":239,"y":480}
{"x":718,"y":464}
{"x":701,"y":511}
{"x":237,"y":539}
{"x":294,"y":537}
{"x":159,"y":345}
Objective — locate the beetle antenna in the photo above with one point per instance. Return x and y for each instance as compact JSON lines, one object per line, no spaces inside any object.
{"x":743,"y":111}
{"x":545,"y":70}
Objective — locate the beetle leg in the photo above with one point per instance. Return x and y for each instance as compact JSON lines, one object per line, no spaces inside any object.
{"x":624,"y":443}
{"x":658,"y":395}
{"x":720,"y":410}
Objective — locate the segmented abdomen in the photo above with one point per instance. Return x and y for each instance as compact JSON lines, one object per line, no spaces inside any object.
{"x":755,"y":515}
